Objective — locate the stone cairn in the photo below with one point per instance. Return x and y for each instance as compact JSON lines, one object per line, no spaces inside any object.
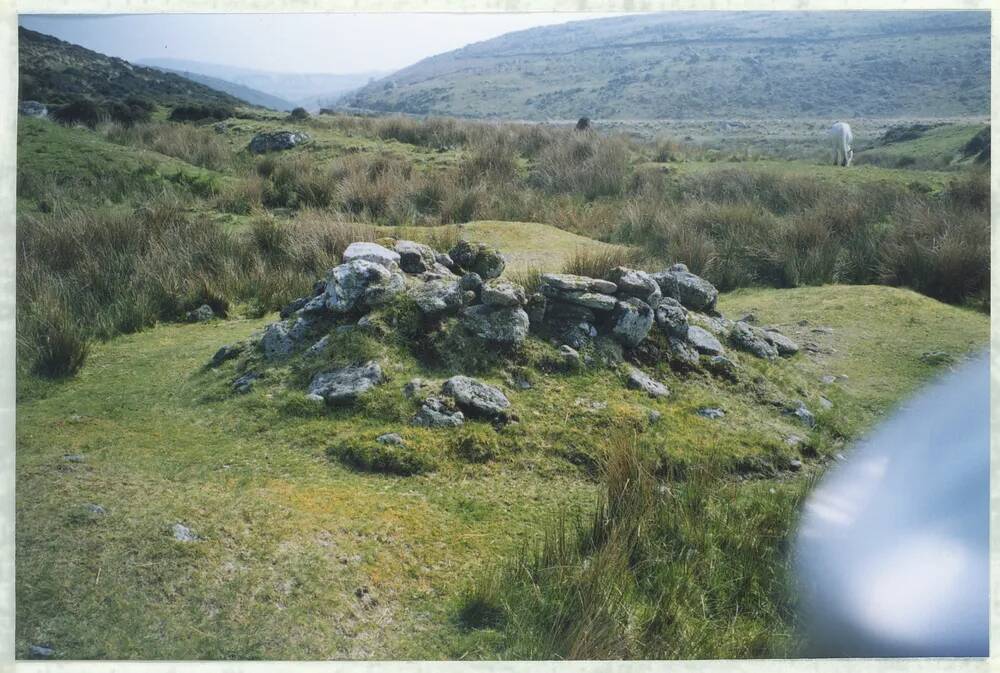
{"x":572,"y":311}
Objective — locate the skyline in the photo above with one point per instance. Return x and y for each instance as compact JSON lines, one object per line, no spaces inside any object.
{"x":341,"y":43}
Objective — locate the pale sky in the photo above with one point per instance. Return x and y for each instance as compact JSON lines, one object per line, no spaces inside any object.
{"x":327,"y":43}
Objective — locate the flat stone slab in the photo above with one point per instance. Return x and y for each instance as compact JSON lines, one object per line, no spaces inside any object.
{"x":477,"y":398}
{"x":641,"y":381}
{"x":571,"y":283}
{"x":346,"y":384}
{"x":371,"y":252}
{"x":703,"y":341}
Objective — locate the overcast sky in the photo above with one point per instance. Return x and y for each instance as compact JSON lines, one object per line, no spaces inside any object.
{"x":328,"y":43}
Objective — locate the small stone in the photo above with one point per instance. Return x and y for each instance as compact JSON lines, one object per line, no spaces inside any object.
{"x":445,"y":260}
{"x":570,"y":356}
{"x":793,"y":440}
{"x":415,"y":257}
{"x":317,"y":347}
{"x":711,"y":413}
{"x":276,"y":342}
{"x":635,"y":283}
{"x":825,"y":403}
{"x":703,"y":341}
{"x":40,"y":652}
{"x":503,"y":325}
{"x":654,"y":416}
{"x":722,"y":366}
{"x":799,"y":410}
{"x":822,"y":330}
{"x":937,"y":358}
{"x":672,"y":317}
{"x":795,"y":465}
{"x":438,"y":297}
{"x":201,"y":314}
{"x":752,"y":340}
{"x":391,"y":438}
{"x":682,"y":354}
{"x":371,"y":252}
{"x":434,"y":413}
{"x":632,"y":318}
{"x":471,"y":281}
{"x":226,"y":353}
{"x":502,"y":293}
{"x":535,"y":309}
{"x":748,"y":318}
{"x":692,"y":291}
{"x":414,"y":386}
{"x":477,"y":398}
{"x":276,"y":141}
{"x":73,"y":458}
{"x":96,"y":510}
{"x":785,"y":346}
{"x":183,"y":534}
{"x":347,"y":383}
{"x":640,"y":380}
{"x":827,"y":379}
{"x":244,"y":384}
{"x":316,"y":399}
{"x":571,"y":283}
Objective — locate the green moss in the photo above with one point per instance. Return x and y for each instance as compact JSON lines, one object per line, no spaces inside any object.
{"x":374,"y":456}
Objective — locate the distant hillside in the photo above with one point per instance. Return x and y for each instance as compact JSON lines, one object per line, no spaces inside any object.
{"x":308,"y":89}
{"x":709,"y":65}
{"x":53,"y":71}
{"x":250,"y":95}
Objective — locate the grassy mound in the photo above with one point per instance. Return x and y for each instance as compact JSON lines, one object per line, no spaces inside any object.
{"x":300,"y":556}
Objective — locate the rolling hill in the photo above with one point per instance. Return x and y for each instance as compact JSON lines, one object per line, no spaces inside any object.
{"x":308,"y":89}
{"x":249,"y":94}
{"x":708,"y":65}
{"x":53,"y":71}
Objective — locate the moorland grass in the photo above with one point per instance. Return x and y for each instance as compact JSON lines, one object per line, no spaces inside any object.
{"x":289,"y":537}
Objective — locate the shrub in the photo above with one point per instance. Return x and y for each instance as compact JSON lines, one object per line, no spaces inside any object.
{"x":82,"y":111}
{"x":200,"y":112}
{"x":132,"y":111}
{"x":298,"y":114}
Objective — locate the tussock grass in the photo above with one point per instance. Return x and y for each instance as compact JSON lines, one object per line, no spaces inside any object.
{"x":95,"y":273}
{"x":197,"y":145}
{"x":585,"y":164}
{"x":690,"y":568}
{"x":598,"y":263}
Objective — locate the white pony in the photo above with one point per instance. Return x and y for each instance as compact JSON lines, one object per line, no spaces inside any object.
{"x":842,"y":139}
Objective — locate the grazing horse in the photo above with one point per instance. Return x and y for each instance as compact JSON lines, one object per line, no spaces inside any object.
{"x":842,"y":139}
